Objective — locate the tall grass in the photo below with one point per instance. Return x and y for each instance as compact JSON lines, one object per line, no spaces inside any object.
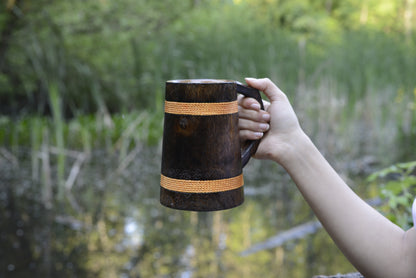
{"x":231,"y":42}
{"x":55,"y":101}
{"x":83,"y":133}
{"x":360,"y":74}
{"x":370,"y":128}
{"x":348,"y":83}
{"x":354,"y":92}
{"x":58,"y":149}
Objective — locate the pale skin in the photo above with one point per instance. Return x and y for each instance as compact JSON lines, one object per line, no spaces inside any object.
{"x":373,"y":244}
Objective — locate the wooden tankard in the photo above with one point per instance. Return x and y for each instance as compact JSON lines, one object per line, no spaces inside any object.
{"x":202,"y":158}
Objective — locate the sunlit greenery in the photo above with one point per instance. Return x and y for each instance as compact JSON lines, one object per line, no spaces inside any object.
{"x":81,"y":114}
{"x":399,"y":189}
{"x":116,"y":55}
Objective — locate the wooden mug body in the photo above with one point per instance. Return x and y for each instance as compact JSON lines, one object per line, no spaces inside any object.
{"x":201,"y":148}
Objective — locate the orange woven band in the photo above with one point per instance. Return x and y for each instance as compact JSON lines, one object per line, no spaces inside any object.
{"x":201,"y":108}
{"x":201,"y":186}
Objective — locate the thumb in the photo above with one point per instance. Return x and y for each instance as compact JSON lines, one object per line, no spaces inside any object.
{"x":266,"y":86}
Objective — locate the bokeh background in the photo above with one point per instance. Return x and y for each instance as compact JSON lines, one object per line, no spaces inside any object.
{"x":81,"y":121}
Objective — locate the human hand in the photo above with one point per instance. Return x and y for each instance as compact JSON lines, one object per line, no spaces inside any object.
{"x":278,"y":121}
{"x":253,"y":121}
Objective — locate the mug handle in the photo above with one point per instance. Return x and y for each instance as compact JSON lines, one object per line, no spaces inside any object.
{"x":249,"y":148}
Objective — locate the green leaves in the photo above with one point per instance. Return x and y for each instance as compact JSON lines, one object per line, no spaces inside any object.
{"x":128,"y":48}
{"x":398,"y":187}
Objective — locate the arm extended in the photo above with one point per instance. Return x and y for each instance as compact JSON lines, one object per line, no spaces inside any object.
{"x":373,"y":244}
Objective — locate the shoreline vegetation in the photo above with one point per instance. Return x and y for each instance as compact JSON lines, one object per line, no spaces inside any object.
{"x":350,"y":78}
{"x":82,"y":83}
{"x":339,"y":63}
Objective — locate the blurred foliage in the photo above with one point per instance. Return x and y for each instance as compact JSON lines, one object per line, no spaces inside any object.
{"x":116,"y":55}
{"x":97,"y":68}
{"x":398,"y":187}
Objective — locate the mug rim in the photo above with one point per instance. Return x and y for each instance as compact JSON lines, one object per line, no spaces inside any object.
{"x":201,"y":81}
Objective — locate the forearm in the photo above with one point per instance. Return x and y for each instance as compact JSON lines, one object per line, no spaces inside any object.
{"x":377,"y":247}
{"x":371,"y":242}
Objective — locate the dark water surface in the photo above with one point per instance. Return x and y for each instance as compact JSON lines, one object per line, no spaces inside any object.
{"x":108,"y":222}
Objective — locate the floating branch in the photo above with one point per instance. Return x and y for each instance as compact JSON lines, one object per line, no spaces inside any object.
{"x":294,"y":233}
{"x":297,"y":232}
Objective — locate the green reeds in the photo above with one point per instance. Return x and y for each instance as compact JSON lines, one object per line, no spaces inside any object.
{"x":47,"y":187}
{"x":57,"y":150}
{"x":36,"y":138}
{"x":340,"y":83}
{"x":58,"y":127}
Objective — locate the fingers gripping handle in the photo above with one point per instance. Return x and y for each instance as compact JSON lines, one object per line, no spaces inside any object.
{"x":249,"y":148}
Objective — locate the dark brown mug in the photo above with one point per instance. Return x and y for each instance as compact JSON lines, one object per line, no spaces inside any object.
{"x":202,"y":158}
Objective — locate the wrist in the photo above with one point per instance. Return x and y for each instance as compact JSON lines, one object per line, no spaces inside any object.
{"x":299,"y":146}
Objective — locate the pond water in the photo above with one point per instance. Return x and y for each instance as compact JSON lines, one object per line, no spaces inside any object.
{"x":108,"y":222}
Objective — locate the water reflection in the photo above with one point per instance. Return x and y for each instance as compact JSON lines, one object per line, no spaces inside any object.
{"x":111,"y":224}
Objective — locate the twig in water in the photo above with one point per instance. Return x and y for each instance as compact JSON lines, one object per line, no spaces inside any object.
{"x":348,"y":275}
{"x":297,"y":232}
{"x":74,"y":171}
{"x":10,"y":157}
{"x":129,"y":158}
{"x":294,"y":233}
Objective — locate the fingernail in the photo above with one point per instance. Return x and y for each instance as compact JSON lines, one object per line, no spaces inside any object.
{"x":258,"y":134}
{"x":255,"y":106}
{"x":250,"y":78}
{"x":266,"y":117}
{"x":264,"y":127}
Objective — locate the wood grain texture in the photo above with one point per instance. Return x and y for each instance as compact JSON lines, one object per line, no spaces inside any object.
{"x":202,"y":146}
{"x":199,"y":147}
